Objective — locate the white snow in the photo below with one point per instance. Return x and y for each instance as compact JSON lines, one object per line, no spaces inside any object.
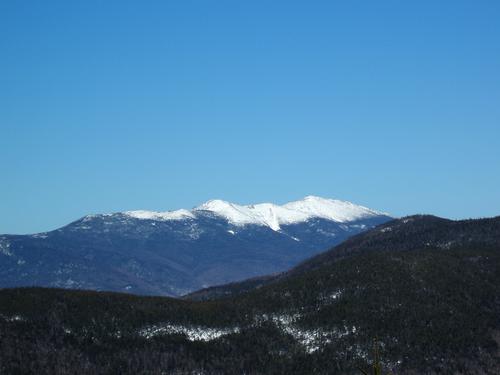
{"x":273,"y":215}
{"x":5,"y":247}
{"x":335,"y":295}
{"x":310,"y":339}
{"x":269,"y":214}
{"x":193,"y":333}
{"x":13,"y":318}
{"x":332,"y":209}
{"x":167,"y":215}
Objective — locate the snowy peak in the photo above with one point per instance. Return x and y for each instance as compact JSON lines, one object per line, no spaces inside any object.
{"x":269,"y":214}
{"x":234,"y":213}
{"x":331,"y":209}
{"x":218,"y":205}
{"x":273,"y":215}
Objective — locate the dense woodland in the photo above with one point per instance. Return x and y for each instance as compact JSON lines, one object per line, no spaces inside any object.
{"x":427,"y":288}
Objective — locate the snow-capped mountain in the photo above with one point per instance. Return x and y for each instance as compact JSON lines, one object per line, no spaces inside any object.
{"x":176,"y":252}
{"x":269,"y":214}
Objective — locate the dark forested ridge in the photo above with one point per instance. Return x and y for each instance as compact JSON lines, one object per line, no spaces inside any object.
{"x":427,"y":288}
{"x":410,"y":233}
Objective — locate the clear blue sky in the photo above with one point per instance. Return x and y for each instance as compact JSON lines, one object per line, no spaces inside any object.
{"x":116,"y":105}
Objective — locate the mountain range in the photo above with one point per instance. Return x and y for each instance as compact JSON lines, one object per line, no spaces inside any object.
{"x":427,"y":288}
{"x":176,"y":252}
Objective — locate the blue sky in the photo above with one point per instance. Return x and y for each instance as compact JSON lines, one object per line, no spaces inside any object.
{"x":115,"y":105}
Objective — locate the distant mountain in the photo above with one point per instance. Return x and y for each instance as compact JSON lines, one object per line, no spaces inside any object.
{"x":427,"y":288}
{"x":176,"y":252}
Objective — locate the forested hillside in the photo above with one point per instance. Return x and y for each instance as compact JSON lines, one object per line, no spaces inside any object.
{"x":428,"y":289}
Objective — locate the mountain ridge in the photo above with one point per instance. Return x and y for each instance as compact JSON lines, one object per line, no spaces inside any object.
{"x":176,"y":252}
{"x":432,"y":304}
{"x":268,"y":214}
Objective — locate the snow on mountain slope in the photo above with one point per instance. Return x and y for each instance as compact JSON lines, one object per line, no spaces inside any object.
{"x":168,"y":215}
{"x":331,"y":209}
{"x":269,"y":214}
{"x":234,"y":213}
{"x":275,"y":215}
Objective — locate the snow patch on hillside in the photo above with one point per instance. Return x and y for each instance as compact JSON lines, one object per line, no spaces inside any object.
{"x":310,"y":339}
{"x":13,"y":318}
{"x":193,"y":333}
{"x":5,"y":247}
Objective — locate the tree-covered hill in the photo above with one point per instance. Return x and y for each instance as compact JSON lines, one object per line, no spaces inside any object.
{"x":428,"y":289}
{"x":410,"y":233}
